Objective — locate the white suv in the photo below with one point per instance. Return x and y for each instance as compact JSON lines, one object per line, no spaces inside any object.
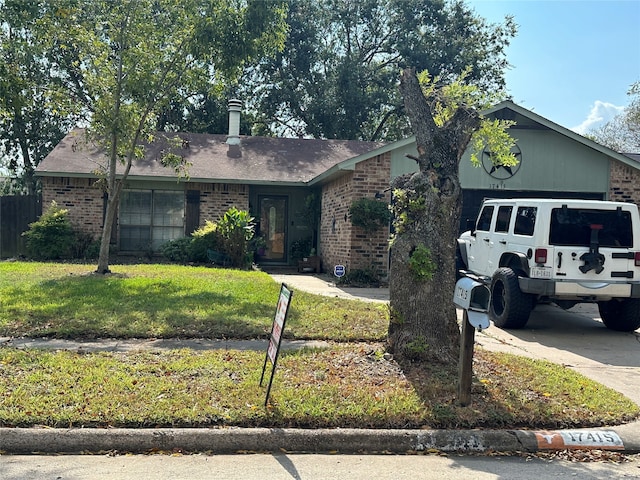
{"x":563,"y":251}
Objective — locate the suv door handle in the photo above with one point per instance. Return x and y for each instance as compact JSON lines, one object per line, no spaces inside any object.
{"x":486,"y":240}
{"x":503,"y":242}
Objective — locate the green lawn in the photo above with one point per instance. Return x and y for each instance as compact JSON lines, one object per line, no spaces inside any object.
{"x":350,"y":384}
{"x":165,"y":301}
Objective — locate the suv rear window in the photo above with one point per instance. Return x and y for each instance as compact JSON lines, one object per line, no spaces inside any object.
{"x":572,"y":227}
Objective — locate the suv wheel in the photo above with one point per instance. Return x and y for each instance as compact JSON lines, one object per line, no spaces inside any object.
{"x":509,"y":307}
{"x":621,"y":314}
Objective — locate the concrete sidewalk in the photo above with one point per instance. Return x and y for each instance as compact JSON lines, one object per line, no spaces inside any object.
{"x":625,"y":438}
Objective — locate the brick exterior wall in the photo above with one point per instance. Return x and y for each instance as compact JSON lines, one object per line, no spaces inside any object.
{"x":217,"y":198}
{"x":624,"y":183}
{"x":79,"y":195}
{"x":335,"y":228}
{"x":86,"y":205}
{"x":342,"y":243}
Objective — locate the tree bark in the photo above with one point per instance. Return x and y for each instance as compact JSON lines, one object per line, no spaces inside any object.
{"x":423,"y":323}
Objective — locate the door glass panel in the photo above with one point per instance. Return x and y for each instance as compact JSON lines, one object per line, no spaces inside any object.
{"x":273,"y":223}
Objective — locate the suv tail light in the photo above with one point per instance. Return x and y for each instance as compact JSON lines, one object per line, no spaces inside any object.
{"x":541,"y":256}
{"x":637,"y":259}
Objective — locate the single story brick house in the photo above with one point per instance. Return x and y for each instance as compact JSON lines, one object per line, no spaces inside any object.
{"x":280,"y":180}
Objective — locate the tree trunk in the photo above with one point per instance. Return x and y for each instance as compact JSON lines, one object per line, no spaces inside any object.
{"x":427,"y":207}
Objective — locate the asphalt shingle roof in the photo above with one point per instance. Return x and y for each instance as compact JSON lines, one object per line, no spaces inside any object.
{"x":255,"y":160}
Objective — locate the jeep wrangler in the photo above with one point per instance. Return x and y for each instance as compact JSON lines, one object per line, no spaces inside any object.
{"x":556,"y":250}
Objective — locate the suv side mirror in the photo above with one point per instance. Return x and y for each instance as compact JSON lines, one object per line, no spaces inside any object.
{"x":471,"y":225}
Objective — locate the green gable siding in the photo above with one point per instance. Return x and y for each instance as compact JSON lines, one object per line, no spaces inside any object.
{"x":549,"y":162}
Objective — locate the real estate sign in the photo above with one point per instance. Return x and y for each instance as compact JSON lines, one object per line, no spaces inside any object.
{"x":275,"y":338}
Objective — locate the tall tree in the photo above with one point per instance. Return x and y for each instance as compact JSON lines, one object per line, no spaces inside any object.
{"x":34,"y":111}
{"x":126,"y":61}
{"x":337,"y":76}
{"x":427,"y":205}
{"x":622,"y":133}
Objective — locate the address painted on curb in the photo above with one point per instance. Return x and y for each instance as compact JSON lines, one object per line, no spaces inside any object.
{"x":578,"y":439}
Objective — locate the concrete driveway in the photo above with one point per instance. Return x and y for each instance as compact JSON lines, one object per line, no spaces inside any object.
{"x":577,"y":339}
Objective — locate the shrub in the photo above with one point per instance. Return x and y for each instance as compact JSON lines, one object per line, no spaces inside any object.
{"x":300,"y":249}
{"x":85,"y":246}
{"x":232,"y":236}
{"x":360,"y":277}
{"x":178,"y":250}
{"x":203,"y":239}
{"x":50,"y":237}
{"x":369,"y":214}
{"x":237,"y":229}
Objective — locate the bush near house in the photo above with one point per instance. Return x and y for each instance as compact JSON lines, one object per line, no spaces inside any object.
{"x":232,"y":237}
{"x":52,"y":237}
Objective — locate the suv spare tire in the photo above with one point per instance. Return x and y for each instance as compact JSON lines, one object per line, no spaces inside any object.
{"x":509,"y":307}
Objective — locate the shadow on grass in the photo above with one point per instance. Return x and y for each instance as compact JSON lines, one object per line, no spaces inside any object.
{"x":120,"y":307}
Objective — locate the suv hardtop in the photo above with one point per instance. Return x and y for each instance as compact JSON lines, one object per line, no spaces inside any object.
{"x":556,"y":250}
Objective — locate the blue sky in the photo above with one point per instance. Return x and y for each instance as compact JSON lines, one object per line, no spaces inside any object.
{"x":573,"y":61}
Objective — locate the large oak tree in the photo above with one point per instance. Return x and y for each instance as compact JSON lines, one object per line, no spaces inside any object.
{"x":445,"y":118}
{"x":338,"y":74}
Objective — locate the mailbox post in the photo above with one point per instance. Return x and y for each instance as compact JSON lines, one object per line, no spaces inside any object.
{"x":473,"y":298}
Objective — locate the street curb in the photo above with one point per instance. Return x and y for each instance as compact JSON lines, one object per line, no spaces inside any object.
{"x":339,"y":440}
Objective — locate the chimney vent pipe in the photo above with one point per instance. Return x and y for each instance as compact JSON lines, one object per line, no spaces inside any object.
{"x":234,"y":107}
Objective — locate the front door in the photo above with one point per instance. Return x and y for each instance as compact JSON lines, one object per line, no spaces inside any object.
{"x":273,"y":227}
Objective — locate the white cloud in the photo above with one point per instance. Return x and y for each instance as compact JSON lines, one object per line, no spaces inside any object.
{"x":601,"y":112}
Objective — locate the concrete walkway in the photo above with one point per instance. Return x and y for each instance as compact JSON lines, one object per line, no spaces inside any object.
{"x":324,"y":284}
{"x":625,"y":438}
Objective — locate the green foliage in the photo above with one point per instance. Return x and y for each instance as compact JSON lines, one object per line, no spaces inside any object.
{"x":85,"y":246}
{"x":622,"y":133}
{"x":51,"y":236}
{"x":237,"y":229}
{"x":347,"y":59}
{"x":421,"y":263}
{"x":360,"y":277}
{"x":416,"y":349}
{"x":408,"y":206}
{"x":232,"y":236}
{"x":448,"y":98}
{"x":300,"y":249}
{"x":125,"y":61}
{"x":203,"y":239}
{"x":35,"y":112}
{"x":369,"y":214}
{"x":179,"y":250}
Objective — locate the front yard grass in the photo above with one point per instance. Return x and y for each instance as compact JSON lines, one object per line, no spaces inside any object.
{"x":350,"y":384}
{"x":169,"y":301}
{"x":347,"y":385}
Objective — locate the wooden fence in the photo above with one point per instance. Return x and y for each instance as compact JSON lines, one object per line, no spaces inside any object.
{"x":16,"y":213}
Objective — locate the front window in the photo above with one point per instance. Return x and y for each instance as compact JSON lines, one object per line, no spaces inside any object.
{"x":150,"y":218}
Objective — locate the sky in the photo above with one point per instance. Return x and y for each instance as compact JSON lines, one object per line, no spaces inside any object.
{"x":573,"y":61}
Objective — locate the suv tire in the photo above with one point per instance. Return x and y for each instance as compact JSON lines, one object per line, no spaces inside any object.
{"x":509,"y":307}
{"x":621,"y":314}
